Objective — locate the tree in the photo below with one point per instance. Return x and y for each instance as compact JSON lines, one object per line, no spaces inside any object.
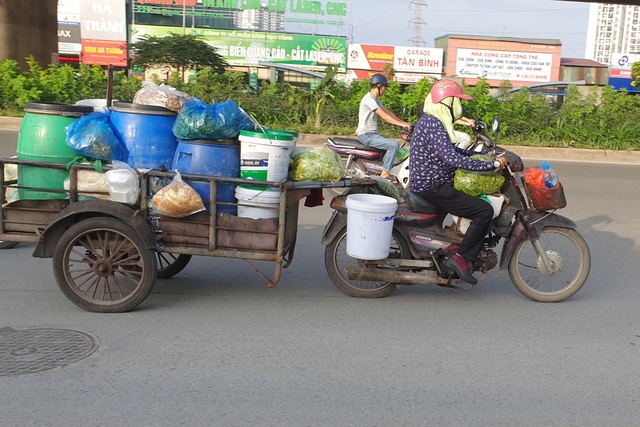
{"x":179,"y":51}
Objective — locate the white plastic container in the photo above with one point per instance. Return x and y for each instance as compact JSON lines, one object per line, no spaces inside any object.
{"x":97,"y":104}
{"x":496,"y":203}
{"x":265,"y":156}
{"x":369,"y":225}
{"x":257,"y":204}
{"x":122,"y":185}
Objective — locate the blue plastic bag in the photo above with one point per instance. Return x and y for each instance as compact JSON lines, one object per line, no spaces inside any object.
{"x":92,"y":136}
{"x":199,"y":120}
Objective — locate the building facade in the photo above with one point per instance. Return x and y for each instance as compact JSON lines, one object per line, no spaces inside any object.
{"x":612,"y":29}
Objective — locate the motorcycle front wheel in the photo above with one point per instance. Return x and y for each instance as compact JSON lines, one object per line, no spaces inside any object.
{"x":570,"y":261}
{"x":336,"y":259}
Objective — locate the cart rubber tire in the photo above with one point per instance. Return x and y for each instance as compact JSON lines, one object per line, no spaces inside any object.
{"x":102,"y":265}
{"x":170,"y":264}
{"x":8,"y":245}
{"x":360,"y":289}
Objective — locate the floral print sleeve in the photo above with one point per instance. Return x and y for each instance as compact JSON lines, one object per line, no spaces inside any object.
{"x":434,"y":159}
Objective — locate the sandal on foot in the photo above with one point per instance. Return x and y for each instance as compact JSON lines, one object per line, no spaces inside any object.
{"x":392,"y":179}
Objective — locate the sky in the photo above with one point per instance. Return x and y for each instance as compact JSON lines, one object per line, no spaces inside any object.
{"x":388,"y":22}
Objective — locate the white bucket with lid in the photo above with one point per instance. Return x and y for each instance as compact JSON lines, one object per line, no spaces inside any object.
{"x":369,"y":225}
{"x":257,"y":204}
{"x":265,"y":155}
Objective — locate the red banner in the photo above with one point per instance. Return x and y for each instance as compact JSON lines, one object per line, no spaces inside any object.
{"x":104,"y":52}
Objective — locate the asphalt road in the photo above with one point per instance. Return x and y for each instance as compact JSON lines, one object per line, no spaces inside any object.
{"x":214,"y":347}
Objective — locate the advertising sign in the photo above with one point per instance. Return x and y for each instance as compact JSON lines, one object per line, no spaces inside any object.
{"x":418,"y":60}
{"x":69,"y":42}
{"x":402,"y":58}
{"x":504,"y":65}
{"x":410,"y":64}
{"x":104,"y":32}
{"x":620,"y":70}
{"x":301,"y":11}
{"x":248,"y":48}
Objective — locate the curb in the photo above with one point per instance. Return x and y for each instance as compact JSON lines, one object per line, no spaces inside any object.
{"x":570,"y":154}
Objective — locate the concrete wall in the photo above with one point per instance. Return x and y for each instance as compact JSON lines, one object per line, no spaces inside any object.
{"x":28,"y":27}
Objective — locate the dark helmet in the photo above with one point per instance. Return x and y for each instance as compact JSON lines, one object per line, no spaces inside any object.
{"x":378,"y":79}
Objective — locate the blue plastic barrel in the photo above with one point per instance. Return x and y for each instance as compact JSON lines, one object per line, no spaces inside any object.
{"x":147,"y":132}
{"x":220,"y":158}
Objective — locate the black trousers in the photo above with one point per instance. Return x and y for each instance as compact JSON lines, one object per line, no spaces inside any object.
{"x":456,"y":202}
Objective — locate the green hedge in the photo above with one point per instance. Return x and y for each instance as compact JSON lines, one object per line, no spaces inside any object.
{"x":601,"y":118}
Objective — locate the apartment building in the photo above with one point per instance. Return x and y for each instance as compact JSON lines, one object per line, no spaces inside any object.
{"x":613,"y":29}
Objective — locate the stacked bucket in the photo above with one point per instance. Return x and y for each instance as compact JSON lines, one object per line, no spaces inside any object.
{"x":264,"y":156}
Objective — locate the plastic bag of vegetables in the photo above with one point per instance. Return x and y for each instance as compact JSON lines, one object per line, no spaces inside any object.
{"x":316,"y":164}
{"x":199,"y":120}
{"x":476,"y":183}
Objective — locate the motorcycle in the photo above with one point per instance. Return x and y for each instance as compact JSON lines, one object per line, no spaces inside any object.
{"x":546,"y":257}
{"x":360,"y":160}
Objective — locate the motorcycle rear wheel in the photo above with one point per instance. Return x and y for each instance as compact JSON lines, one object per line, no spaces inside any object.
{"x":570,"y":259}
{"x":336,"y":259}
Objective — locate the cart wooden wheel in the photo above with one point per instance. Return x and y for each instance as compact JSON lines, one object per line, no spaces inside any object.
{"x":171,"y":264}
{"x":102,"y":265}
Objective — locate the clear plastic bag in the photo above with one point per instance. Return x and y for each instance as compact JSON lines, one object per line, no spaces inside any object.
{"x":316,"y":164}
{"x":92,"y":136}
{"x":199,"y":120}
{"x":476,"y":183}
{"x":178,"y":199}
{"x":162,"y":96}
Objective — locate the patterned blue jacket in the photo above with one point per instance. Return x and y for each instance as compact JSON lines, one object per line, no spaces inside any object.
{"x":434,"y":159}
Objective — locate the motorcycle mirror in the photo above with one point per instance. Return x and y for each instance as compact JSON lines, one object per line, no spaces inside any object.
{"x":496,"y":125}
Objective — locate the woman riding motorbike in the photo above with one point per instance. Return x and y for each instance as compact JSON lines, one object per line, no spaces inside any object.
{"x":433,"y":163}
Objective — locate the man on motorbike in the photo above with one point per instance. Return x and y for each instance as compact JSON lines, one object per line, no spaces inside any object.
{"x":433,"y":163}
{"x":367,"y":131}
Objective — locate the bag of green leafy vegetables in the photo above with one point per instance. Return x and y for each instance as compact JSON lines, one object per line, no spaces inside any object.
{"x":476,"y":183}
{"x":316,"y":164}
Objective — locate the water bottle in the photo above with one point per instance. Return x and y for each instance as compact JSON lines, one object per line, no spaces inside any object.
{"x":549,"y":176}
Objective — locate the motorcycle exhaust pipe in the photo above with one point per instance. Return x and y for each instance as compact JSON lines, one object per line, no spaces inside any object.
{"x":422,"y":277}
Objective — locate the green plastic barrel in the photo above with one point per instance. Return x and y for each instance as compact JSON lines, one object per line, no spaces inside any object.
{"x":43,"y":137}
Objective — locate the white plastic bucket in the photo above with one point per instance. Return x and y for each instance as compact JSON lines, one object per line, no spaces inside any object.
{"x":265,"y":156}
{"x":256,"y":204}
{"x":369,"y":225}
{"x":496,"y":203}
{"x":97,"y":104}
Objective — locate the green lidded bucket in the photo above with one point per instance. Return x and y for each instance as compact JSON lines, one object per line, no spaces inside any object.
{"x":42,"y":137}
{"x":265,"y":155}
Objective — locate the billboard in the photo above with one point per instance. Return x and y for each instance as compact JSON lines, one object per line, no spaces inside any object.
{"x":620,"y":71}
{"x":104,"y":32}
{"x":69,"y":40}
{"x":410,"y":64}
{"x":249,"y":48}
{"x":504,"y":65}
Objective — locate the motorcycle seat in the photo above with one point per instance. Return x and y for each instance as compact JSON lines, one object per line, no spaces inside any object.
{"x":351,"y":143}
{"x":418,"y":204}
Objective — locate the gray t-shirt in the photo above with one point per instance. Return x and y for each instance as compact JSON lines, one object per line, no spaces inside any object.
{"x":367,"y":117}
